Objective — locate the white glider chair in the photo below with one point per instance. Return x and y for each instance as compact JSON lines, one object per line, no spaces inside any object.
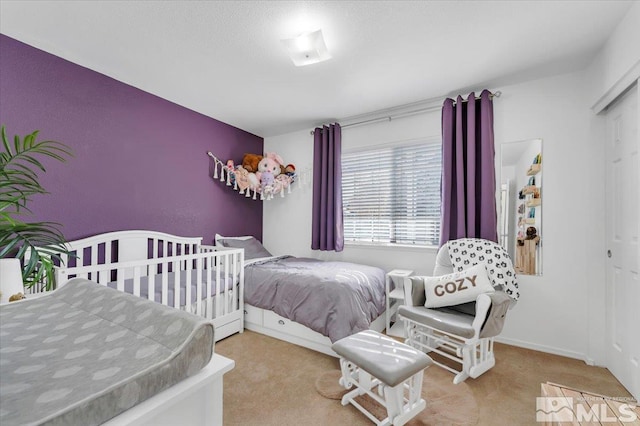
{"x":473,"y":286}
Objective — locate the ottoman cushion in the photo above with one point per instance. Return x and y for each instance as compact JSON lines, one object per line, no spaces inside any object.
{"x":383,"y":357}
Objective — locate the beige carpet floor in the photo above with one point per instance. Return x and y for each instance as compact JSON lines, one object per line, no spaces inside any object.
{"x":274,"y":383}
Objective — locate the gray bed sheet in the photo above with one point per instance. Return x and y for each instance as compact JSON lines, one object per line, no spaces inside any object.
{"x":336,"y":299}
{"x":86,"y":353}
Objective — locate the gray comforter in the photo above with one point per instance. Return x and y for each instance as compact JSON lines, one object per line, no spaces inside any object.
{"x":336,"y":299}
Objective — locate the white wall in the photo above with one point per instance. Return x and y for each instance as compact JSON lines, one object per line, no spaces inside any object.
{"x":619,"y":55}
{"x":561,"y":311}
{"x":552,"y":310}
{"x":287,"y":221}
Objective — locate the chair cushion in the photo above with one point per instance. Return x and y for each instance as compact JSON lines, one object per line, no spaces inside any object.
{"x":468,"y":308}
{"x":444,"y":319}
{"x":383,"y":357}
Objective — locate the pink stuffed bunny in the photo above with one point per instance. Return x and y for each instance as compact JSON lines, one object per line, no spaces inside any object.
{"x":271,"y":163}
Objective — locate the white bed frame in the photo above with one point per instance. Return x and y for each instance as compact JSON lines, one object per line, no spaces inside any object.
{"x":136,"y":254}
{"x":267,"y":322}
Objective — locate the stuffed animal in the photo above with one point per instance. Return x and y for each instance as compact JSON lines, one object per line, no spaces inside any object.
{"x":254,"y":180}
{"x":271,"y":162}
{"x":250,"y":162}
{"x":17,"y":296}
{"x":266,"y":180}
{"x":282,"y":182}
{"x":288,"y":170}
{"x":231,"y":169}
{"x":242,"y":177}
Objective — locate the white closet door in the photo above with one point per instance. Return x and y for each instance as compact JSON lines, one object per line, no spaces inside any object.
{"x":622,"y":222}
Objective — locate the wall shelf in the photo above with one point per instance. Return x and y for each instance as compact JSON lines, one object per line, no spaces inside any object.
{"x":534,"y":169}
{"x":534,"y":202}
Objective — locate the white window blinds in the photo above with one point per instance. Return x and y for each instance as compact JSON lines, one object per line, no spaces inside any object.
{"x":392,"y":194}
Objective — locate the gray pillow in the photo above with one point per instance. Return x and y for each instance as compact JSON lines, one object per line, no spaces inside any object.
{"x":252,"y":247}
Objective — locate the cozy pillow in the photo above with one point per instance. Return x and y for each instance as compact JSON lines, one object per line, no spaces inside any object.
{"x":456,"y":288}
{"x":253,"y":249}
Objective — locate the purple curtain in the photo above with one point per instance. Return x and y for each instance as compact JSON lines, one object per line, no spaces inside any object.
{"x":327,"y":228}
{"x":468,"y":169}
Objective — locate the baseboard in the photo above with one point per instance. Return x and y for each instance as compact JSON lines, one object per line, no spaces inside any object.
{"x":542,"y":348}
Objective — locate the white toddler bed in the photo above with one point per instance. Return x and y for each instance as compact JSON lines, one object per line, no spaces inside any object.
{"x":175,"y":271}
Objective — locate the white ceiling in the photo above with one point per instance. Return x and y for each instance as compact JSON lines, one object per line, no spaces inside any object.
{"x":225,"y":59}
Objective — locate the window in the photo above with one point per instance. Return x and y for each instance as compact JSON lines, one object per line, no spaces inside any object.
{"x":391,"y":195}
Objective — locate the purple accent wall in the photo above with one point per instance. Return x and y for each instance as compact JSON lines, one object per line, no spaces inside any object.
{"x":140,"y":161}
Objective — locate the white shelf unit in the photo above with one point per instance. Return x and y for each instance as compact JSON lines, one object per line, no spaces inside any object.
{"x":395,"y":298}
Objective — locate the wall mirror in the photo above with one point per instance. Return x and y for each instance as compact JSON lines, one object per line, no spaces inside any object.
{"x":520,"y":201}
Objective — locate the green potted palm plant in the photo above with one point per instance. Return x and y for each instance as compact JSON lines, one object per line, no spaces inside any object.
{"x":38,"y":245}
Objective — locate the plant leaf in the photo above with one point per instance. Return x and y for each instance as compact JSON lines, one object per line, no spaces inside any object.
{"x":38,"y":244}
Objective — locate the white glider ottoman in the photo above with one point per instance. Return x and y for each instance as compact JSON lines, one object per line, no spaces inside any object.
{"x":368,"y":360}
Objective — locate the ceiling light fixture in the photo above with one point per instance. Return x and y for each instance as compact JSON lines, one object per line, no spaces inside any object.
{"x":308,"y":48}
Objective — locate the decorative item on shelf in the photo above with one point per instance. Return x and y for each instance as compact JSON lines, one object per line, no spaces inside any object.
{"x":534,"y":169}
{"x":534,"y":202}
{"x":532,"y":232}
{"x":536,"y":192}
{"x":538,"y":159}
{"x":258,"y":177}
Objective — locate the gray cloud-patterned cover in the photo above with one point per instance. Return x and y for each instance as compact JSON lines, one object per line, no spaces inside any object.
{"x":86,"y":353}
